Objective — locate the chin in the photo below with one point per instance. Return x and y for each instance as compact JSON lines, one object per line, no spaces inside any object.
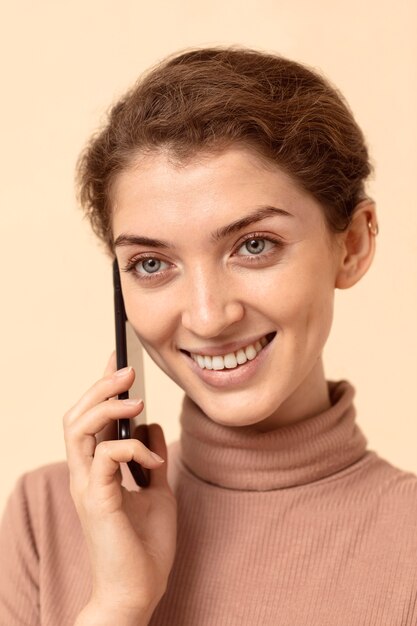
{"x":233,"y":413}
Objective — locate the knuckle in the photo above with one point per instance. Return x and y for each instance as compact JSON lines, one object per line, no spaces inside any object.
{"x":67,"y":418}
{"x":70,"y":416}
{"x":69,"y":431}
{"x":136,"y":446}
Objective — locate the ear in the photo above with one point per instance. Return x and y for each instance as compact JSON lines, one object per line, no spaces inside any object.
{"x":357,"y":245}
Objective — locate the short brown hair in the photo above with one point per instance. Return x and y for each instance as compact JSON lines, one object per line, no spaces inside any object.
{"x":208,"y":99}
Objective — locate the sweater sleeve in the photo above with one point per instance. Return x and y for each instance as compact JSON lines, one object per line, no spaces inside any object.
{"x":19,"y":570}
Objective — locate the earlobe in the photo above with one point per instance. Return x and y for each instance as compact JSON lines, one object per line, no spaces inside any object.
{"x":357,"y":246}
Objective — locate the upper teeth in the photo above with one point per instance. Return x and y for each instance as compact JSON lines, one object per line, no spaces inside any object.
{"x":232,"y":359}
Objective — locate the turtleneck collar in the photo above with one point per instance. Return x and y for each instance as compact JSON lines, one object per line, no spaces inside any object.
{"x":290,"y":455}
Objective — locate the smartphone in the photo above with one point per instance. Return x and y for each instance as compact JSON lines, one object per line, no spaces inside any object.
{"x":129,"y":351}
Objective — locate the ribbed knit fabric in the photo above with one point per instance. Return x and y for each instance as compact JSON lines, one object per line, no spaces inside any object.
{"x":300,"y":526}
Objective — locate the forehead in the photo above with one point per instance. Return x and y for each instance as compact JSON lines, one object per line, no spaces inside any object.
{"x":206,"y":192}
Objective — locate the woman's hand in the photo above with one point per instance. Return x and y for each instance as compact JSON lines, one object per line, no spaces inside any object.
{"x":131,"y":535}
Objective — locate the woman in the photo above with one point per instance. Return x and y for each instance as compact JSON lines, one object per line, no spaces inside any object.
{"x":230,"y":186}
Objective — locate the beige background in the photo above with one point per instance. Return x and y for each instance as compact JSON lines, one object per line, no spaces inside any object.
{"x":62,"y":65}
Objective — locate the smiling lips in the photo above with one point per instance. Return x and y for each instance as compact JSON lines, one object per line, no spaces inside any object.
{"x":232,"y":359}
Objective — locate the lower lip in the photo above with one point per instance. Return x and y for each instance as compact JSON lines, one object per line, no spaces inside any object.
{"x":231,"y":377}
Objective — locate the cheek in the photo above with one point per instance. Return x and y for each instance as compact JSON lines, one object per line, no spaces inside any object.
{"x":298,"y":298}
{"x":150,"y":316}
{"x":312,"y":313}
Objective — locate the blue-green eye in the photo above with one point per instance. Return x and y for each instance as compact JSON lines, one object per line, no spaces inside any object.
{"x":258,"y":247}
{"x":151,"y":265}
{"x":254,"y":245}
{"x":145,"y":267}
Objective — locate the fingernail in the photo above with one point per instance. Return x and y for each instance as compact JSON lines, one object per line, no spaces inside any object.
{"x":132,"y":401}
{"x":123,"y":371}
{"x":157,"y":457}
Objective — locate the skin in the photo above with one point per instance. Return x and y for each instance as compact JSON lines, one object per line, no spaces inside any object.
{"x":211,"y":294}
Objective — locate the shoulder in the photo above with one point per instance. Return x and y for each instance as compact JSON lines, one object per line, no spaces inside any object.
{"x":38,"y":504}
{"x":43,"y":495}
{"x":388,"y":518}
{"x":51,"y":476}
{"x":395,"y":489}
{"x":393,"y":479}
{"x":44,"y":482}
{"x":34,"y":485}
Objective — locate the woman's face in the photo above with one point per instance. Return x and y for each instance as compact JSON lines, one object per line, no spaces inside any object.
{"x":223,"y":252}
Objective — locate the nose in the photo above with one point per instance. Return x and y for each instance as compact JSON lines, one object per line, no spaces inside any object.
{"x":209,"y":305}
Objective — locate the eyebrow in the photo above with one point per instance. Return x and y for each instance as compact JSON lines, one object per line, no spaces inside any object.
{"x":259,"y":214}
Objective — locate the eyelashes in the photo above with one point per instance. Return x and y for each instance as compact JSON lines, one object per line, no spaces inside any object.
{"x":147,"y":275}
{"x":276,"y":245}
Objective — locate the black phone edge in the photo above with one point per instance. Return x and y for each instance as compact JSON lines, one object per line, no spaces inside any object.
{"x":139,"y":473}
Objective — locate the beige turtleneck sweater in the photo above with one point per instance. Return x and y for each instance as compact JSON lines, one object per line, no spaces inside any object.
{"x":300,"y":526}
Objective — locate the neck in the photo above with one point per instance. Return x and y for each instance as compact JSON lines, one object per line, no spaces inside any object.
{"x":293,"y":454}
